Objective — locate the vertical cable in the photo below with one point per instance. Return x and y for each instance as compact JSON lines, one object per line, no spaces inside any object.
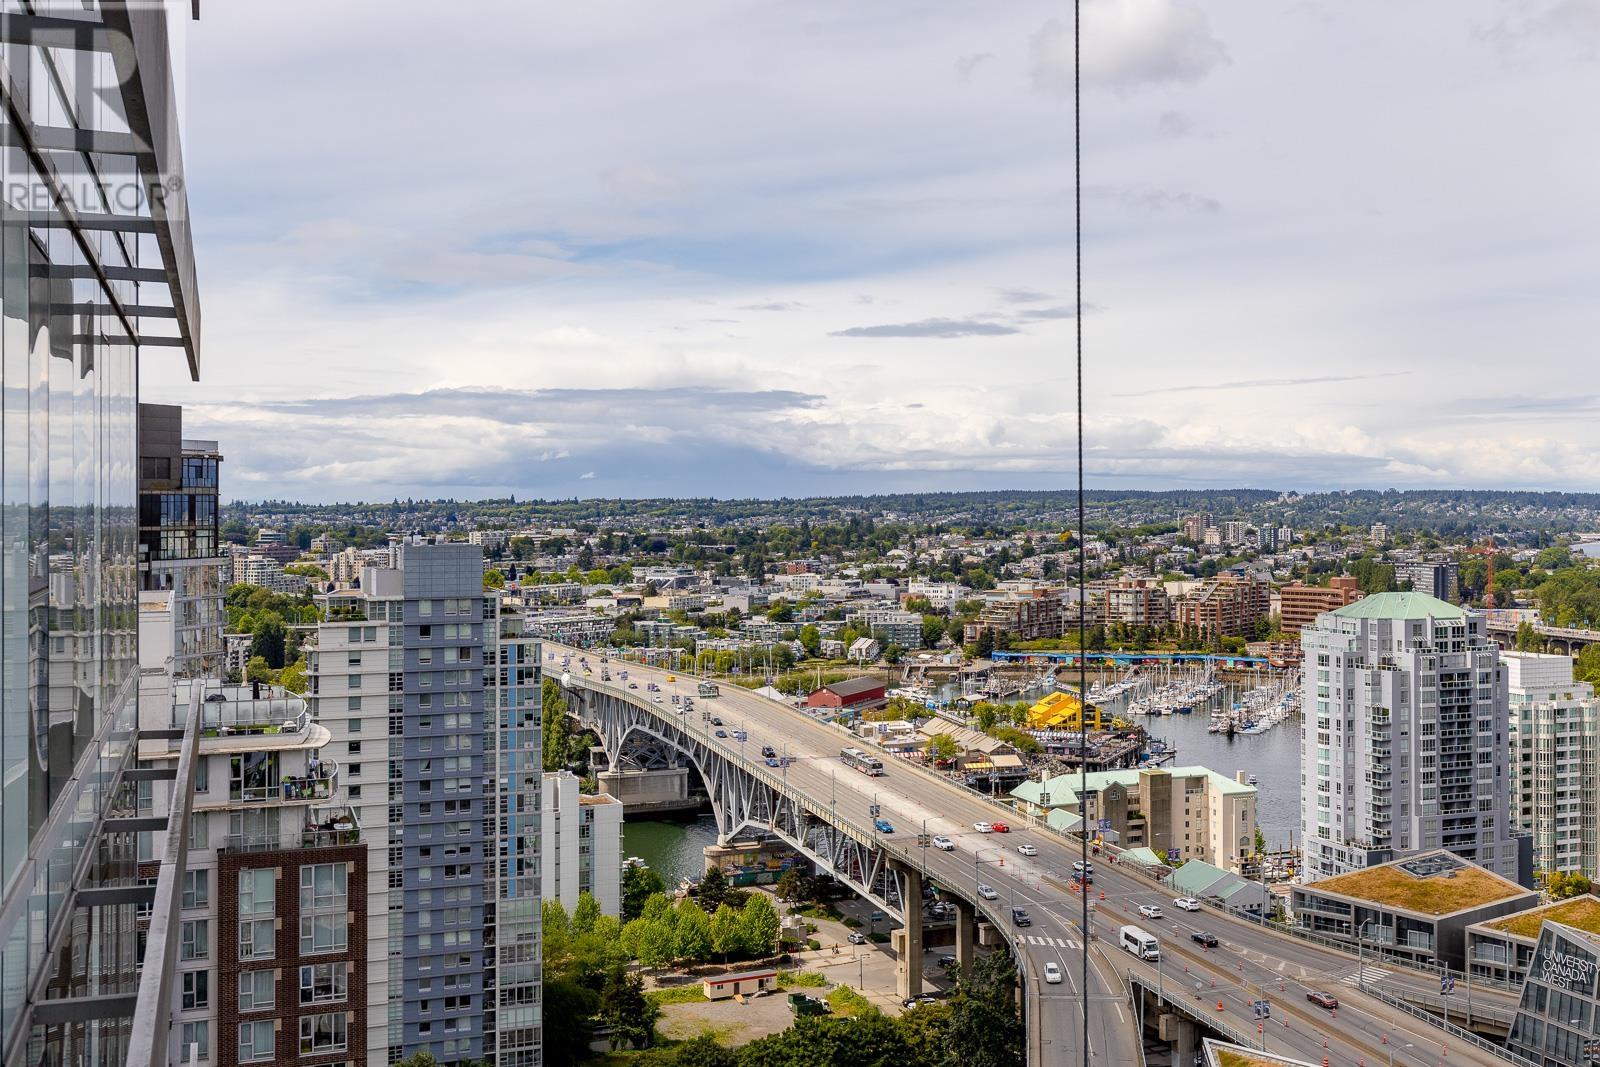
{"x":1083,"y":604}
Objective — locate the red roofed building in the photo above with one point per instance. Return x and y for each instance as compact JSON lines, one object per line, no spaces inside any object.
{"x":859,"y":692}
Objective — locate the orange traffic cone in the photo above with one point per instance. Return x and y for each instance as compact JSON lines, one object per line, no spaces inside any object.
{"x":1219,"y":1005}
{"x":1384,"y":1040}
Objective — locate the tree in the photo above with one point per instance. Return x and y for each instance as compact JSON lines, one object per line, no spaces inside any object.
{"x":268,"y":639}
{"x":655,"y":943}
{"x":788,"y":886}
{"x":554,"y":727}
{"x":811,"y":639}
{"x":1527,"y":637}
{"x":420,"y":1059}
{"x":1561,"y":885}
{"x":494,"y":579}
{"x":691,"y":932}
{"x":713,"y":888}
{"x":1586,"y":667}
{"x":628,"y":1013}
{"x":725,"y":932}
{"x":926,"y":1030}
{"x":942,"y":748}
{"x":933,"y":627}
{"x":985,"y":647}
{"x":984,"y":1029}
{"x":759,"y":925}
{"x":258,"y":670}
{"x":568,"y":1044}
{"x":1261,"y":842}
{"x":639,"y":883}
{"x":585,"y":914}
{"x":293,"y":677}
{"x":703,"y":1051}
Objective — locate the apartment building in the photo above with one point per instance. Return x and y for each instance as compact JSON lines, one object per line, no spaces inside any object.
{"x":1195,"y":526}
{"x":1136,"y":602}
{"x":1299,"y":605}
{"x":272,"y":966}
{"x":1225,"y":607}
{"x":1436,"y":578}
{"x":91,"y":123}
{"x":1180,"y":813}
{"x":581,"y":845}
{"x":430,"y":697}
{"x":1027,"y":614}
{"x":1406,"y":744}
{"x":179,"y":543}
{"x":1555,"y":742}
{"x":890,"y":627}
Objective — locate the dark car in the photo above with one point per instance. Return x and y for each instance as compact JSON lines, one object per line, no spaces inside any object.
{"x":1323,"y":1000}
{"x":722,"y":733}
{"x":767,"y":750}
{"x":1020,"y":917}
{"x":947,"y":962}
{"x":715,"y":721}
{"x":1200,"y":937}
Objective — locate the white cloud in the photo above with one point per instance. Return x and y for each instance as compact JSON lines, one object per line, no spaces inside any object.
{"x":1127,"y":45}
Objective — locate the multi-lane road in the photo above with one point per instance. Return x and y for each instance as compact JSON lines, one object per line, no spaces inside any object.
{"x":1250,"y":963}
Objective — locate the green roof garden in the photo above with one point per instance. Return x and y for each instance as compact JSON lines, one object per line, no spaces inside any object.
{"x":1580,"y":913}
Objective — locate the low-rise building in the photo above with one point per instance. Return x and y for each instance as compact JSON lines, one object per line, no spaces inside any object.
{"x":889,"y":627}
{"x":581,"y":629}
{"x":1028,"y":614}
{"x":1182,"y":813}
{"x":1418,"y":908}
{"x":581,"y":845}
{"x":1502,"y":949}
{"x":858,"y":693}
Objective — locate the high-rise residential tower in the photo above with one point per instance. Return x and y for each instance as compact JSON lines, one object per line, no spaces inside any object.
{"x":433,"y":718}
{"x":1405,"y":744}
{"x":1555,"y":738}
{"x":96,"y":276}
{"x":180,"y":544}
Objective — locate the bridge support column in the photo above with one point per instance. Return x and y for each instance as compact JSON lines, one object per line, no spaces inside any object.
{"x":908,"y":939}
{"x":1184,"y":1036}
{"x":966,"y":929}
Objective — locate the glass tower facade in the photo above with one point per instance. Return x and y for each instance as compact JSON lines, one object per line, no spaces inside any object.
{"x":94,"y":251}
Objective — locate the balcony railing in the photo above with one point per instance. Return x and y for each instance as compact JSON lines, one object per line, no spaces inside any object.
{"x":244,"y":710}
{"x":324,"y":828}
{"x":318,"y":785}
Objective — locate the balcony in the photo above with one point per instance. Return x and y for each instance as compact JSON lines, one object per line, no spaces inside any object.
{"x":243,"y":710}
{"x":317,"y":785}
{"x":323,"y":828}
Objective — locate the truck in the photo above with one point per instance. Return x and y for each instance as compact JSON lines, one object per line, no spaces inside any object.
{"x":709,"y":690}
{"x":1140,"y":943}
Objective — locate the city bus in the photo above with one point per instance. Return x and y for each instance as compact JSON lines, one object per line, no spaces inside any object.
{"x":861,"y":761}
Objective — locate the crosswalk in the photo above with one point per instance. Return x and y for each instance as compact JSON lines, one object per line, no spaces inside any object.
{"x":1053,"y":942}
{"x":1366,"y":974}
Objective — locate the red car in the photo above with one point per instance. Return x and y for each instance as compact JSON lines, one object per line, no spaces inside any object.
{"x":1001,"y":828}
{"x":1323,"y":1000}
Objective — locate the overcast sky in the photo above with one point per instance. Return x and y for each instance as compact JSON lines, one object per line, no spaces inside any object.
{"x":748,"y":247}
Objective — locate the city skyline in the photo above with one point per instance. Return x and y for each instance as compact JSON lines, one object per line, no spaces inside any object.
{"x":761,"y":252}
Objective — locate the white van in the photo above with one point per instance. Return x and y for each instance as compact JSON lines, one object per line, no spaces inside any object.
{"x":1141,"y":944}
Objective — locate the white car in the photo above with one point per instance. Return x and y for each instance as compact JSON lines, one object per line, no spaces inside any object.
{"x":1187,"y":903}
{"x":1150,"y":911}
{"x":943,"y":843}
{"x":1052,"y":973}
{"x":983,"y":827}
{"x":987,"y":892}
{"x":1027,"y":849}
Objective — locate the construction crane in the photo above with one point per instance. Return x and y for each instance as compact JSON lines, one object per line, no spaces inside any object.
{"x":1487,"y":550}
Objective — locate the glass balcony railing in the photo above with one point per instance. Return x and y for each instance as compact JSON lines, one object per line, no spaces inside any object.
{"x":324,"y":827}
{"x":242,"y":710}
{"x":317,"y":785}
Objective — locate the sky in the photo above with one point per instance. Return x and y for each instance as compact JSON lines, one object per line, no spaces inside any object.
{"x":761,"y":248}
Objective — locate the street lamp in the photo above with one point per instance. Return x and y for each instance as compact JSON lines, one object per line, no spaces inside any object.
{"x":1361,"y":944}
{"x":1408,"y":1044}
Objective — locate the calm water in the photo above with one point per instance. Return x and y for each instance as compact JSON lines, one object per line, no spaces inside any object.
{"x":671,"y":848}
{"x":1273,"y":757}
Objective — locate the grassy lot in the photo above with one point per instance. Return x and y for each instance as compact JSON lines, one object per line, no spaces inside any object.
{"x":1582,"y":912}
{"x":801,"y":979}
{"x":678,"y":994}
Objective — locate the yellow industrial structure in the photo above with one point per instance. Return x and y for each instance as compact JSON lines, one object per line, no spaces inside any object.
{"x":1061,"y":711}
